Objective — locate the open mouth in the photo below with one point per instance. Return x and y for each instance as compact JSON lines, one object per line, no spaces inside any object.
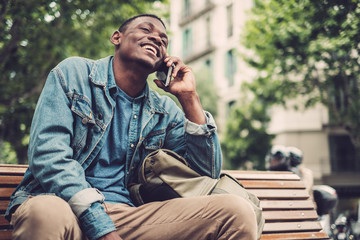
{"x":150,"y":49}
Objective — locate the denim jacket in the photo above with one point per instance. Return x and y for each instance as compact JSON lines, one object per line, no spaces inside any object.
{"x":70,"y":125}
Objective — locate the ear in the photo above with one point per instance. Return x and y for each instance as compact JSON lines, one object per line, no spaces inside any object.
{"x":116,"y":38}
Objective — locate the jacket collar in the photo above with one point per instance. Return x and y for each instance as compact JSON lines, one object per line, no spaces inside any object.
{"x":99,"y":76}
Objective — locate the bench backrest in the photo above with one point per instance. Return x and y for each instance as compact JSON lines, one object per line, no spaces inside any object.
{"x":287,"y":208}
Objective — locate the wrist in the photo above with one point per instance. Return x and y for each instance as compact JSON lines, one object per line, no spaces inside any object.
{"x":188,"y":97}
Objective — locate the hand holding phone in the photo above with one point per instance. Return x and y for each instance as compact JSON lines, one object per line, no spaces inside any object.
{"x":164,"y":74}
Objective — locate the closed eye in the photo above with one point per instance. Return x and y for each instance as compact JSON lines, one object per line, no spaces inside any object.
{"x":145,"y":29}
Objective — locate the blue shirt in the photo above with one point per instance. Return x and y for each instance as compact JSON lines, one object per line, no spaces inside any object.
{"x":107,"y":172}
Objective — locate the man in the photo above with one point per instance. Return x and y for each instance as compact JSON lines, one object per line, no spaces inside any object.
{"x":94,"y":124}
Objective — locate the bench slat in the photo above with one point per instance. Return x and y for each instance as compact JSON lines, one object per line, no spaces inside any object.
{"x":5,"y":235}
{"x":280,"y":194}
{"x":3,"y":222}
{"x":292,"y":226}
{"x":288,"y":236}
{"x":262,"y":175}
{"x":13,"y":180}
{"x":286,"y":204}
{"x":6,"y":192}
{"x":6,"y":169}
{"x":3,"y":205}
{"x":253,"y":184}
{"x":290,"y":215}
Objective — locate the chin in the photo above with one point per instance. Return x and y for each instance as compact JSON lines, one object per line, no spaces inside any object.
{"x":150,"y":65}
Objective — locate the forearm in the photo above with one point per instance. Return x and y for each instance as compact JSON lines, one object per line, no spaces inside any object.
{"x":192,"y":108}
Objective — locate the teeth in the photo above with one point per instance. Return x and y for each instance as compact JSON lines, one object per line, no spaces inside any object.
{"x":151,"y":48}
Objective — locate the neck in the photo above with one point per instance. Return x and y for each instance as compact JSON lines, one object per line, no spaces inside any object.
{"x":130,"y":77}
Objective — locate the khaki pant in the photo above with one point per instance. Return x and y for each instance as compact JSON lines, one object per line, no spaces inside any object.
{"x":207,"y":217}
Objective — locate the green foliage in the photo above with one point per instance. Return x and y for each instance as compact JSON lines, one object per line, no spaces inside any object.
{"x":35,"y":35}
{"x":309,"y":48}
{"x":153,"y":86}
{"x":207,"y":91}
{"x":246,"y":139}
{"x":7,"y":155}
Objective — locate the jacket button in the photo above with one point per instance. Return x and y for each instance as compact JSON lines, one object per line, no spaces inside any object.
{"x":97,"y":129}
{"x":84,"y":121}
{"x":100,"y":116}
{"x":132,"y":145}
{"x":135,"y":117}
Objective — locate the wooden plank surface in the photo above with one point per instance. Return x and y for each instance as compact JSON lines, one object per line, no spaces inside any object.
{"x":5,"y":235}
{"x":280,"y":194}
{"x":282,"y":215}
{"x":10,"y":180}
{"x":6,"y":192}
{"x":286,"y":204}
{"x":262,"y":175}
{"x":254,"y":184}
{"x":3,"y":205}
{"x":7,"y":169}
{"x":292,"y":226}
{"x":3,"y":222}
{"x":291,"y":236}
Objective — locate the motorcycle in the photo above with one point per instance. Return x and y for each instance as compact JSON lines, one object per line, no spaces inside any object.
{"x":341,"y":229}
{"x":326,"y":199}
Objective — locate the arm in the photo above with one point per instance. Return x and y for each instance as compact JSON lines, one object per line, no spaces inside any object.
{"x":199,"y":144}
{"x":51,"y":157}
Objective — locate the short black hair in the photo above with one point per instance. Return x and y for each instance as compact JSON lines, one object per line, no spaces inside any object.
{"x":124,"y":24}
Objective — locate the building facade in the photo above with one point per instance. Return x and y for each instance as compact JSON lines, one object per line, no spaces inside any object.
{"x":206,"y":34}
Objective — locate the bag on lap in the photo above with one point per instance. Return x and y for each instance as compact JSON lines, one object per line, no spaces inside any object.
{"x":166,"y":175}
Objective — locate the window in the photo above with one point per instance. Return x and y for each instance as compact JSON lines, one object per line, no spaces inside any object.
{"x":187,"y":43}
{"x":209,"y":68}
{"x":208,"y":32}
{"x":230,"y":23}
{"x":186,"y":8}
{"x":208,"y":63}
{"x":230,"y":67}
{"x":343,"y":155}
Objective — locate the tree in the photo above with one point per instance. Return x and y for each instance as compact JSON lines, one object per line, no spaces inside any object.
{"x":309,"y":48}
{"x":34,"y":36}
{"x":246,"y":139}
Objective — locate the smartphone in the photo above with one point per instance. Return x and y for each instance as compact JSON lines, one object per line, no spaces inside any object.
{"x":164,"y":74}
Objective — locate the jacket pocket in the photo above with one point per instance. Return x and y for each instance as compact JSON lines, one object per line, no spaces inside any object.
{"x":155,"y":140}
{"x":84,"y":119}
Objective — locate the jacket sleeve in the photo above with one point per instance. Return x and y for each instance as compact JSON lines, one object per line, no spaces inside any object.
{"x":199,"y":144}
{"x":51,"y":157}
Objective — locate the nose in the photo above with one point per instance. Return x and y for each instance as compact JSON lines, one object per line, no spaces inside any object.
{"x":156,"y":39}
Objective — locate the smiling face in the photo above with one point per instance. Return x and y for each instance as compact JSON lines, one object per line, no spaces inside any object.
{"x":144,"y":42}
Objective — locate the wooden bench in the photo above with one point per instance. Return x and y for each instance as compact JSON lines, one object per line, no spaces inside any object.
{"x":288,"y":211}
{"x":287,"y":208}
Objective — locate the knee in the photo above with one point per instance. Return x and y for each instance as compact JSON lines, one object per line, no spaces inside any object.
{"x":234,"y":205}
{"x":48,"y":210}
{"x":238,"y":212}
